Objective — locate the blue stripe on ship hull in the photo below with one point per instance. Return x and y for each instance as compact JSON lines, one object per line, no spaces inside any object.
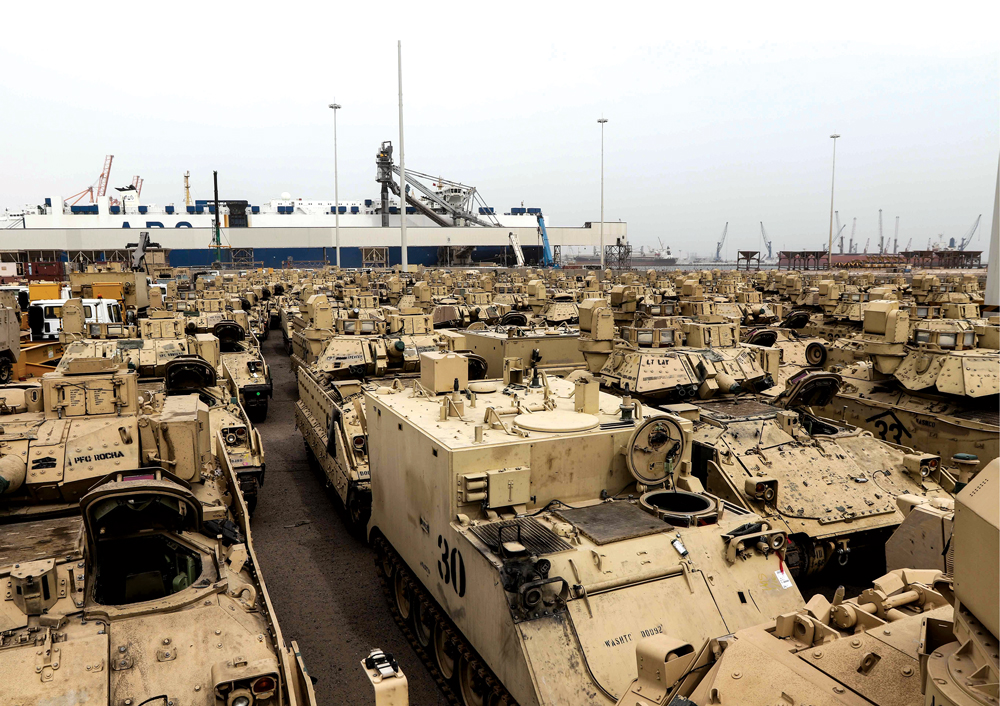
{"x":349,"y":256}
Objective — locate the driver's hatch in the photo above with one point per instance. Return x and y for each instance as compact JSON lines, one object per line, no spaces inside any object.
{"x":810,"y":388}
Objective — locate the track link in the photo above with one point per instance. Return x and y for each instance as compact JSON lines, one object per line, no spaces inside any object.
{"x":386,"y":558}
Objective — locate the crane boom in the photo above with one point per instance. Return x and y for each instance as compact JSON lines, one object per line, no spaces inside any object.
{"x":547,"y":259}
{"x":102,"y":181}
{"x":895,"y":238}
{"x":968,"y":236}
{"x":850,"y":245}
{"x":767,"y":241}
{"x":722,"y":241}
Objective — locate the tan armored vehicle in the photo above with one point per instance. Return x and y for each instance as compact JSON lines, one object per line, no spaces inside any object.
{"x":711,"y":362}
{"x":831,"y":488}
{"x":127,"y":583}
{"x":330,"y":410}
{"x":528,"y":537}
{"x":10,"y":341}
{"x":244,"y":368}
{"x":915,"y":637}
{"x":557,"y":348}
{"x":933,"y":385}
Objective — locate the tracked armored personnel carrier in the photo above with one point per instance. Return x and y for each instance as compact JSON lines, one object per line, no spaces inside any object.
{"x":931,"y":384}
{"x":711,"y":361}
{"x":244,"y":368}
{"x":831,"y":487}
{"x":915,"y":637}
{"x":527,"y":537}
{"x":128,"y":583}
{"x":330,"y":410}
{"x":556,"y":347}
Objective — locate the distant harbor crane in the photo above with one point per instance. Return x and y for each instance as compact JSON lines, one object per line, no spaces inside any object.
{"x":137,"y":183}
{"x":187,"y":189}
{"x":865,"y":252}
{"x":895,"y":238}
{"x":968,"y":236}
{"x":767,"y":241}
{"x":851,"y":247}
{"x":722,"y":241}
{"x":101,"y":185}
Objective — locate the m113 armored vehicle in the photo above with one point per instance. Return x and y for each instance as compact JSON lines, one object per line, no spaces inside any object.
{"x":529,"y":533}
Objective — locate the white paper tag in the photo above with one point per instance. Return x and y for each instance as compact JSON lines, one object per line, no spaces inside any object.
{"x":783,"y":579}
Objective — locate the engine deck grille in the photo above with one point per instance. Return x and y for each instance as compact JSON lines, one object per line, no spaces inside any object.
{"x":536,"y":537}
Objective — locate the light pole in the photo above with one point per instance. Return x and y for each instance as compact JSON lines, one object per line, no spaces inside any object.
{"x":833,"y":176}
{"x":336,"y":185}
{"x":602,"y":121}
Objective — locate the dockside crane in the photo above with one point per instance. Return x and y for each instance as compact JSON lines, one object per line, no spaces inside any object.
{"x":908,"y":244}
{"x":865,"y":251}
{"x":968,"y":236}
{"x":187,"y":189}
{"x":137,"y":183}
{"x":895,"y":238}
{"x":722,"y":241}
{"x":851,"y":247}
{"x":100,"y":186}
{"x":767,"y":241}
{"x":840,"y":232}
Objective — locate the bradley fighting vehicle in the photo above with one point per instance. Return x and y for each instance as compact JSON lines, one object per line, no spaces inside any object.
{"x":165,"y":356}
{"x":125,"y":553}
{"x":927,"y":383}
{"x":831,"y":487}
{"x":528,"y":535}
{"x":926,"y":637}
{"x":330,"y":410}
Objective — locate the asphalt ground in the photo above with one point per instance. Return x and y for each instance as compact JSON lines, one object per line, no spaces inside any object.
{"x":321,"y":579}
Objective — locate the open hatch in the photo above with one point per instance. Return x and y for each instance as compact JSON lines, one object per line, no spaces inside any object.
{"x":134,"y":521}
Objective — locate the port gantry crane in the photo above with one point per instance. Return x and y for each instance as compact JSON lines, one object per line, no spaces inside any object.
{"x":722,"y":241}
{"x":851,"y":247}
{"x":967,"y":238}
{"x":101,"y":185}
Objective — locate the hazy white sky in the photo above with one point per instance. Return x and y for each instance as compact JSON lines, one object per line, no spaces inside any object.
{"x":717,"y":112}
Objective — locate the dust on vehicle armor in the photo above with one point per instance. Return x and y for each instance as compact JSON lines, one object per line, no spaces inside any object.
{"x":128,"y":583}
{"x":831,"y":487}
{"x":529,"y":533}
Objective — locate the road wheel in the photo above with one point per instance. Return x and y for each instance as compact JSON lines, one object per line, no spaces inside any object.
{"x":444,"y":653}
{"x":471,"y":686}
{"x":423,"y":624}
{"x":402,"y":594}
{"x":6,"y":371}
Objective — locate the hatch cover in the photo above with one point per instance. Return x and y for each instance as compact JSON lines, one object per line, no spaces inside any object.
{"x":556,"y":421}
{"x":612,"y":522}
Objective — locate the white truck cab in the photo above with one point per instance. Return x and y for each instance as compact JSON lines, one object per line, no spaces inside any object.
{"x":45,"y":315}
